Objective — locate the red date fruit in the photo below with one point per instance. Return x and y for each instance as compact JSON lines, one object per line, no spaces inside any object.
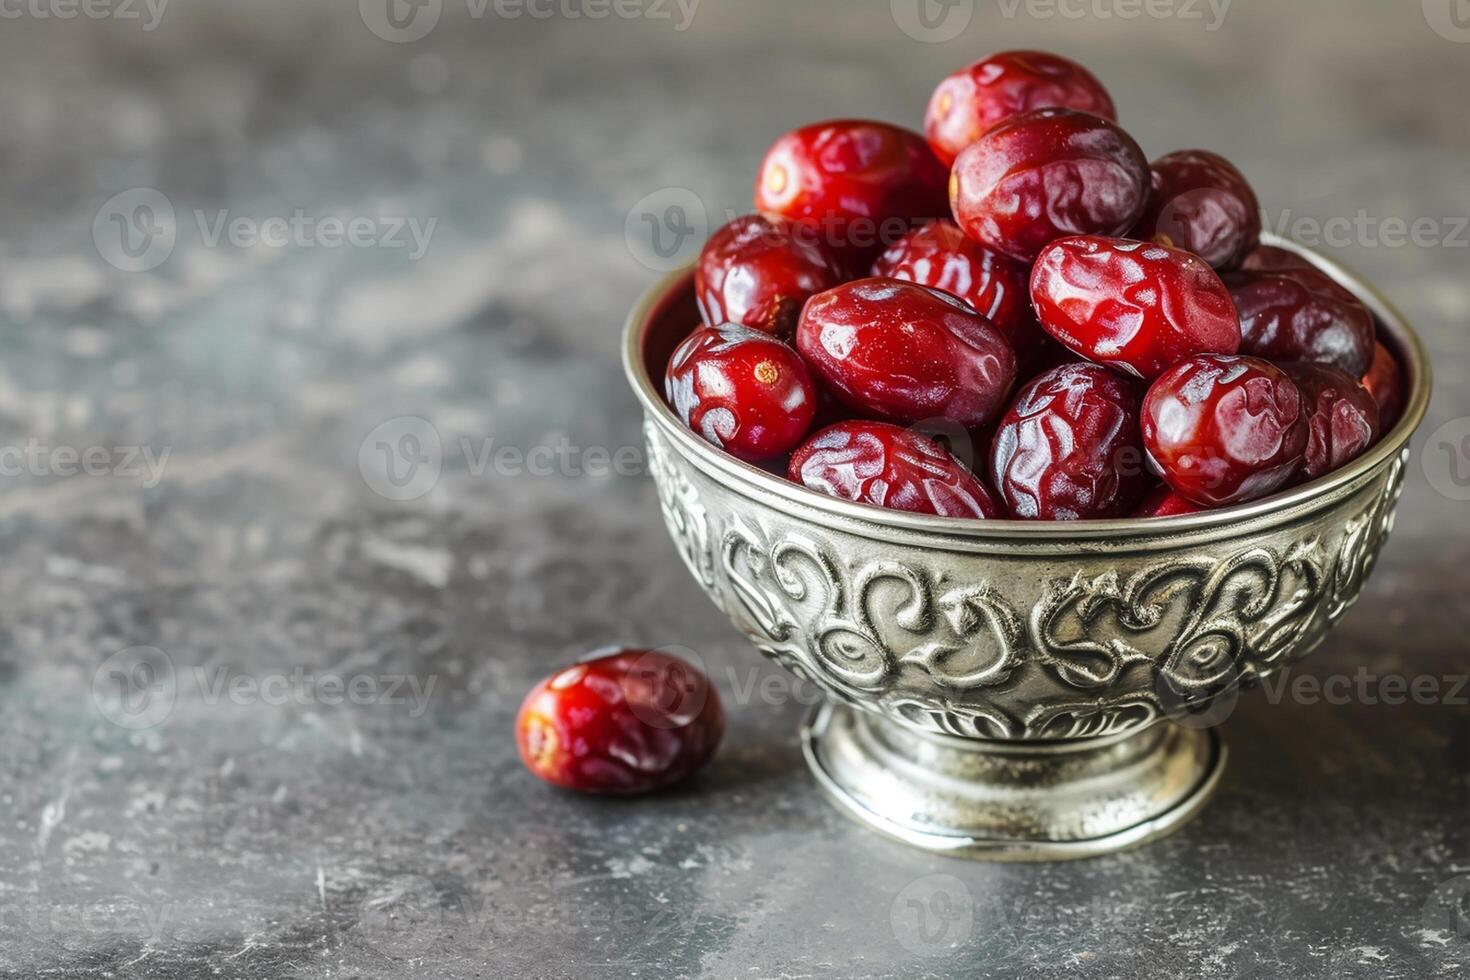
{"x":1039,"y":176}
{"x":1342,"y":418}
{"x":626,"y":722}
{"x":1299,"y":314}
{"x":742,"y":390}
{"x":1133,"y":306}
{"x":1200,"y":203}
{"x":939,"y":256}
{"x":1386,"y":384}
{"x":1164,"y":502}
{"x":1269,"y":258}
{"x":859,"y":185}
{"x":973,"y":99}
{"x":886,"y":466}
{"x":758,"y":271}
{"x":1068,"y":448}
{"x":1223,"y":430}
{"x":906,"y":353}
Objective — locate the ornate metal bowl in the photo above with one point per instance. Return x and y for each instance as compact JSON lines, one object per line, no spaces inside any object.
{"x":1009,"y":689}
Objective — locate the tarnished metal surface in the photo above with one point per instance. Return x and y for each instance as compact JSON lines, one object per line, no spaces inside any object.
{"x":1017,"y":631}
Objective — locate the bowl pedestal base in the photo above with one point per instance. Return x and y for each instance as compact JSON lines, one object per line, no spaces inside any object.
{"x":1011,"y":801}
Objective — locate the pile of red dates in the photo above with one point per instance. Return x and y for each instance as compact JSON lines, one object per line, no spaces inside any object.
{"x":1109,"y":333}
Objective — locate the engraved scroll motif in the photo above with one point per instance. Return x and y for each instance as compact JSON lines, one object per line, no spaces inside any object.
{"x":955,"y":656}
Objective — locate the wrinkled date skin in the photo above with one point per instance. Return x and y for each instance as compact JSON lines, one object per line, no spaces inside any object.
{"x":906,"y":353}
{"x":1385,"y":383}
{"x":1162,"y":501}
{"x":1299,"y":314}
{"x":1223,"y":430}
{"x":973,"y":99}
{"x":1046,"y":174}
{"x":1133,"y":306}
{"x":939,"y":256}
{"x":858,"y":185}
{"x":886,"y":466}
{"x":1200,"y":203}
{"x":623,"y":723}
{"x":758,"y":271}
{"x":1068,"y":448}
{"x":1342,"y":418}
{"x":742,"y":390}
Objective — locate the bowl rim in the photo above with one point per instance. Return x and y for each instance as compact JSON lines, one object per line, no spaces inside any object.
{"x":1414,"y":360}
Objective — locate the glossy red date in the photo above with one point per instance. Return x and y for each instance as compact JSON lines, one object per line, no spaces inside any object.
{"x":625,"y":722}
{"x":1224,"y":430}
{"x":1299,"y":314}
{"x":1068,"y":448}
{"x":906,"y":353}
{"x":860,"y":185}
{"x":938,"y":255}
{"x":742,"y":390}
{"x":1342,"y":418}
{"x":973,"y":99}
{"x":758,"y":271}
{"x":887,"y":466}
{"x":1042,"y":175}
{"x":1133,"y":306}
{"x":1199,"y":202}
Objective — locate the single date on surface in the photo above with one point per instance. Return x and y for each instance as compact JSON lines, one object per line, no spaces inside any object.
{"x":1200,"y":203}
{"x":622,"y":722}
{"x":1300,"y":314}
{"x":887,"y":466}
{"x":1342,"y":417}
{"x":939,"y":255}
{"x":1008,"y":83}
{"x":1223,"y":430}
{"x":858,"y":184}
{"x":742,"y":390}
{"x":1046,"y":174}
{"x":1068,"y":448}
{"x":758,"y":271}
{"x":1134,"y":306}
{"x":906,"y":353}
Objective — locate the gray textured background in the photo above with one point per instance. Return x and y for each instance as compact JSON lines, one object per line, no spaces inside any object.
{"x":193,"y":830}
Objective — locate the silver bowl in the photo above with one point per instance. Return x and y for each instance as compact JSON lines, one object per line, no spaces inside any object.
{"x":1007,"y":689}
